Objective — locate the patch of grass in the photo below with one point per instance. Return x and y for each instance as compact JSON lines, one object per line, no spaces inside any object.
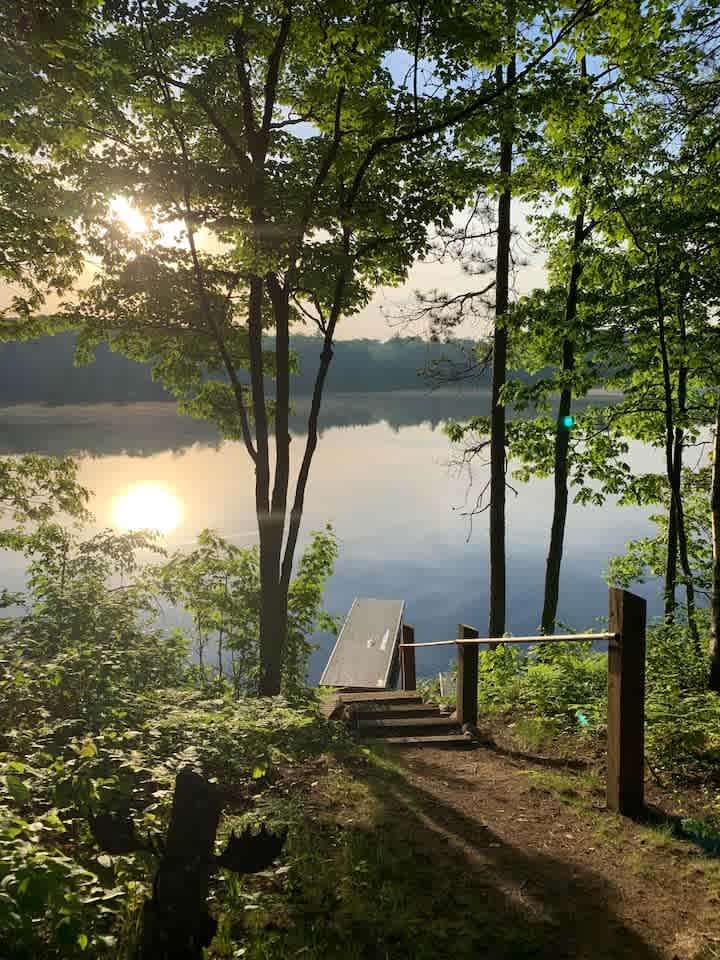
{"x":560,"y":784}
{"x":580,"y":792}
{"x":594,"y":782}
{"x":711,"y":870}
{"x":605,"y":830}
{"x":660,"y":836}
{"x":641,"y":866}
{"x":533,"y":733}
{"x":362,"y":879}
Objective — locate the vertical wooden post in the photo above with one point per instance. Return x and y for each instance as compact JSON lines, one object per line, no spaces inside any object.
{"x":407,"y":659}
{"x":467,"y":676}
{"x":626,"y":703}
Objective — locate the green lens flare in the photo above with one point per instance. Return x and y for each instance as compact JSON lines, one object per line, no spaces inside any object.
{"x":568,"y":421}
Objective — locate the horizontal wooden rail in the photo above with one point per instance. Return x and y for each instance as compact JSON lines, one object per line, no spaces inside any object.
{"x":549,"y":638}
{"x":432,"y":643}
{"x":626,"y":688}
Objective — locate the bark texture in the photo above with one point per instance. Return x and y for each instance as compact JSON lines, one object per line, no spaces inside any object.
{"x":496,"y":627}
{"x":562,"y":433}
{"x":562,"y":443}
{"x":714,"y":650}
{"x":176,"y":924}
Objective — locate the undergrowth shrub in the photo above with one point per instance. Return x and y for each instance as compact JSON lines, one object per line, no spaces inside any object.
{"x":562,"y":687}
{"x":59,"y":894}
{"x":565,"y":681}
{"x":682,"y":717}
{"x":100,"y":709}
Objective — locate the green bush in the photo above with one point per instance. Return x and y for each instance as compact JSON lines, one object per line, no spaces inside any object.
{"x":100,"y":709}
{"x":682,"y":717}
{"x":218,"y":584}
{"x":570,"y":681}
{"x":565,"y":686}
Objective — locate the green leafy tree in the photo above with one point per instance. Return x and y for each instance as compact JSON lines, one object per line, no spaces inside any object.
{"x":41,"y":252}
{"x":301,"y":174}
{"x":651,"y":188}
{"x":35,"y":488}
{"x":647,"y":556}
{"x":218,"y":584}
{"x":667,"y":333}
{"x":577,"y":165}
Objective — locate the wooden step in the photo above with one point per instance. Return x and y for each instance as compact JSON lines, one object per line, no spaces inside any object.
{"x":458,"y":740}
{"x":381,"y":711}
{"x":381,"y":696}
{"x":405,"y":726}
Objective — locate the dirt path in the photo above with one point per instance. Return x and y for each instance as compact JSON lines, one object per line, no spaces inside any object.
{"x":589,"y":884}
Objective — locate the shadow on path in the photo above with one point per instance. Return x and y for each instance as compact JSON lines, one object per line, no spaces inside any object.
{"x":551,"y":763}
{"x":491,"y":898}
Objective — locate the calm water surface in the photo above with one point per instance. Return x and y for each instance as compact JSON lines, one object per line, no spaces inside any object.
{"x":381,"y":476}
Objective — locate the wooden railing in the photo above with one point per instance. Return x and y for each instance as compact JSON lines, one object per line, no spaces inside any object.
{"x":626,"y":688}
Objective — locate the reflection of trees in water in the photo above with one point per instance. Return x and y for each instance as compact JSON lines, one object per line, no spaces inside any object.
{"x":148,"y":428}
{"x":402,"y":408}
{"x":135,"y":430}
{"x":142,"y":429}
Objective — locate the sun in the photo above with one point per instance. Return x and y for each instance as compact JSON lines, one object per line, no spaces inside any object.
{"x":147,"y":507}
{"x":137,"y":224}
{"x":131,"y":217}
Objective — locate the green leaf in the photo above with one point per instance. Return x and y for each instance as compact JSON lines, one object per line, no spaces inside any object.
{"x":17,"y":789}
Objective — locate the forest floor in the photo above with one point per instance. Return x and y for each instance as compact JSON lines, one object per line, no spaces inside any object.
{"x":536,"y":839}
{"x":491,"y":852}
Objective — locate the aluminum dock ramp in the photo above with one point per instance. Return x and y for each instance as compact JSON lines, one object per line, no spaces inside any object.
{"x":365,"y":655}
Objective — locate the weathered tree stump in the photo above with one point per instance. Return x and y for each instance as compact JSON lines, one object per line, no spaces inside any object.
{"x":176,"y":923}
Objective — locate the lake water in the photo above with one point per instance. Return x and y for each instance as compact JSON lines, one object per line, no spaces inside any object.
{"x":381,"y":476}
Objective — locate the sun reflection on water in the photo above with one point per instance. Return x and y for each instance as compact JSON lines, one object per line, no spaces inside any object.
{"x":147,"y":507}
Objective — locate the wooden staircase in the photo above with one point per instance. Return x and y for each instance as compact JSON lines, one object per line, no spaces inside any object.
{"x":402,"y":719}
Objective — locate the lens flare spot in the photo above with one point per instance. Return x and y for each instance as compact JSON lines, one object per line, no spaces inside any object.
{"x":130,"y":216}
{"x":147,"y":507}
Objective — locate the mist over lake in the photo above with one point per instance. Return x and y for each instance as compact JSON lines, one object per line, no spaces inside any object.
{"x":382,"y":477}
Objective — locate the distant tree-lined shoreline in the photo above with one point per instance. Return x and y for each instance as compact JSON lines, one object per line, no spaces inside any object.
{"x":43,"y":370}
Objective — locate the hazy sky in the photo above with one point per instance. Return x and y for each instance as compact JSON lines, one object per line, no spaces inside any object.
{"x":383,"y":316}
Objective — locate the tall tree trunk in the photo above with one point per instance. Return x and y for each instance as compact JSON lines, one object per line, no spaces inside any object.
{"x":672,"y":540}
{"x":560,"y":503}
{"x":496,"y":626}
{"x":273,"y":609}
{"x":271,"y":522}
{"x":562,"y":432}
{"x":714,"y":651}
{"x":678,"y":447}
{"x":671,"y":562}
{"x":326,"y":356}
{"x":270,"y":542}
